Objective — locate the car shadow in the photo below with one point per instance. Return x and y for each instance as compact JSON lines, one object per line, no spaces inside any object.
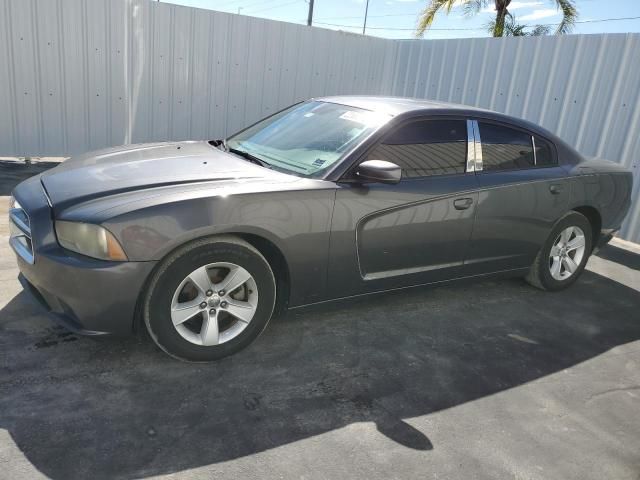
{"x":620,"y":256}
{"x":118,"y":408}
{"x":13,"y":172}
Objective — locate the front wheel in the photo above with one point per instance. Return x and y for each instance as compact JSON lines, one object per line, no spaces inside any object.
{"x":209,"y":299}
{"x":564,"y":255}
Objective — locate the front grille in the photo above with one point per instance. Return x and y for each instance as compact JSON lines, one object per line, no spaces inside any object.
{"x":20,"y":232}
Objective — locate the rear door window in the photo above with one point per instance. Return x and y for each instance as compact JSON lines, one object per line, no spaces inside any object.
{"x":545,"y":153}
{"x":505,"y":148}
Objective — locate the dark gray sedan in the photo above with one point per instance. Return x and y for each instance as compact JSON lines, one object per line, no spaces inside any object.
{"x":201,"y":242}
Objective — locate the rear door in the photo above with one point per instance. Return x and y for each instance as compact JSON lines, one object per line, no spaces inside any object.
{"x":523,"y":191}
{"x":412,"y":232}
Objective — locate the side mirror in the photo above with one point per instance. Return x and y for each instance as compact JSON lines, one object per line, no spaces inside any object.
{"x":378,"y":171}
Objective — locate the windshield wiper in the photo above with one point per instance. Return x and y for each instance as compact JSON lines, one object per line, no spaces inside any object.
{"x":249,"y":157}
{"x":220,"y":144}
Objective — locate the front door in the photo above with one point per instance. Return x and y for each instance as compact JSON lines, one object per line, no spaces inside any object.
{"x":416,"y":231}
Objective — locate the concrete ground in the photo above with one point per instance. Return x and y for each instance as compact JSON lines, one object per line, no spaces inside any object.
{"x":492,"y":379}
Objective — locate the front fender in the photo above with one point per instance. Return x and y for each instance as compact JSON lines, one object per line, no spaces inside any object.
{"x":296,"y":222}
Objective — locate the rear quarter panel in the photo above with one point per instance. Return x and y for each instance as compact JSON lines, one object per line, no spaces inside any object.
{"x":603,"y":185}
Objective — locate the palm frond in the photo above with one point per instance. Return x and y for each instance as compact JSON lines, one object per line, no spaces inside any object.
{"x":540,"y":31}
{"x":429,"y":14}
{"x":490,"y":26}
{"x":569,"y":16}
{"x":513,"y":29}
{"x":473,"y":7}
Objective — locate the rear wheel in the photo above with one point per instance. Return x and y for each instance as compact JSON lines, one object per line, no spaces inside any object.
{"x":564,"y":255}
{"x":210,"y":299}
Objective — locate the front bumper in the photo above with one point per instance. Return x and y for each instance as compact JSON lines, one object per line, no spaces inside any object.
{"x":65,"y":320}
{"x":87,"y":298}
{"x":86,"y":295}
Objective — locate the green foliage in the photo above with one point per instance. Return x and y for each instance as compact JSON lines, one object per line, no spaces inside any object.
{"x":504,"y":24}
{"x":514,"y":29}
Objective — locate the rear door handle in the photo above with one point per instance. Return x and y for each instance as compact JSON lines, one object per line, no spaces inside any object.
{"x":556,"y":189}
{"x":462,"y":203}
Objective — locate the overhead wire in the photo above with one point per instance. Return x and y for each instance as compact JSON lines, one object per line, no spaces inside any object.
{"x":465,"y":29}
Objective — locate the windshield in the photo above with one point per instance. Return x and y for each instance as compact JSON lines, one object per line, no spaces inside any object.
{"x":307,"y":138}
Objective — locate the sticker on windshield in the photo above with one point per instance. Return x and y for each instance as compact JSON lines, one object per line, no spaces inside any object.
{"x":365,"y":118}
{"x":318,"y":162}
{"x":353,"y":117}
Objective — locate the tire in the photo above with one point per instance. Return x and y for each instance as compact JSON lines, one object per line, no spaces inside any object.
{"x":171,"y":283}
{"x":540,"y":275}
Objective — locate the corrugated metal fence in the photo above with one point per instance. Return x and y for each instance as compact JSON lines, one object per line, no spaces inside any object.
{"x":584,"y":88}
{"x":79,"y":75}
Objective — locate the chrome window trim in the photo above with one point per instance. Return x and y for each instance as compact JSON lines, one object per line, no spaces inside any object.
{"x":533,"y":144}
{"x":478,"y":146}
{"x":471,"y":148}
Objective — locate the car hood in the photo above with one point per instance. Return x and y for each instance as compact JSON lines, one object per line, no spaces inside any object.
{"x":137,"y":167}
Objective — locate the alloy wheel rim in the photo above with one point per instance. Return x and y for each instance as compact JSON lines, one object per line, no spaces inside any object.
{"x":214,"y":303}
{"x":566,"y":253}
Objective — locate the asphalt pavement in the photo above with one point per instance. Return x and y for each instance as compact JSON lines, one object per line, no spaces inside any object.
{"x":489,"y":379}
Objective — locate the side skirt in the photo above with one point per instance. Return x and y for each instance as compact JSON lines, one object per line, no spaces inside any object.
{"x":516,"y":272}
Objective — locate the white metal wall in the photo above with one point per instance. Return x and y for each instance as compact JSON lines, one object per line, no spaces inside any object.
{"x":77,"y":75}
{"x":584,"y":88}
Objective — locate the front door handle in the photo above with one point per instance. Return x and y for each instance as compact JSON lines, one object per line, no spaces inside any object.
{"x":462,"y":203}
{"x":556,"y":189}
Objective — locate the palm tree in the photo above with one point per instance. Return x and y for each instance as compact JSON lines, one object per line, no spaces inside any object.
{"x":514,"y":29}
{"x":503,"y":16}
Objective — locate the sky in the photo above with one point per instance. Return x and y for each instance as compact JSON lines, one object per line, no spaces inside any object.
{"x":397,"y":18}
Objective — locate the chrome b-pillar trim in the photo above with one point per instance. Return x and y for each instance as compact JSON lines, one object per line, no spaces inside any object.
{"x":471,"y":149}
{"x":533,"y":144}
{"x":478,"y":146}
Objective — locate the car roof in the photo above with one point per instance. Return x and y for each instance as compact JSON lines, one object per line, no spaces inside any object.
{"x":397,"y":105}
{"x":404,"y":106}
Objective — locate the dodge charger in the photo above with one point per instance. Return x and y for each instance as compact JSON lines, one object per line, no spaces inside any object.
{"x":202,"y":242}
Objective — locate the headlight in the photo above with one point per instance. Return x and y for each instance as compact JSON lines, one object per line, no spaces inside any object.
{"x":90,"y":240}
